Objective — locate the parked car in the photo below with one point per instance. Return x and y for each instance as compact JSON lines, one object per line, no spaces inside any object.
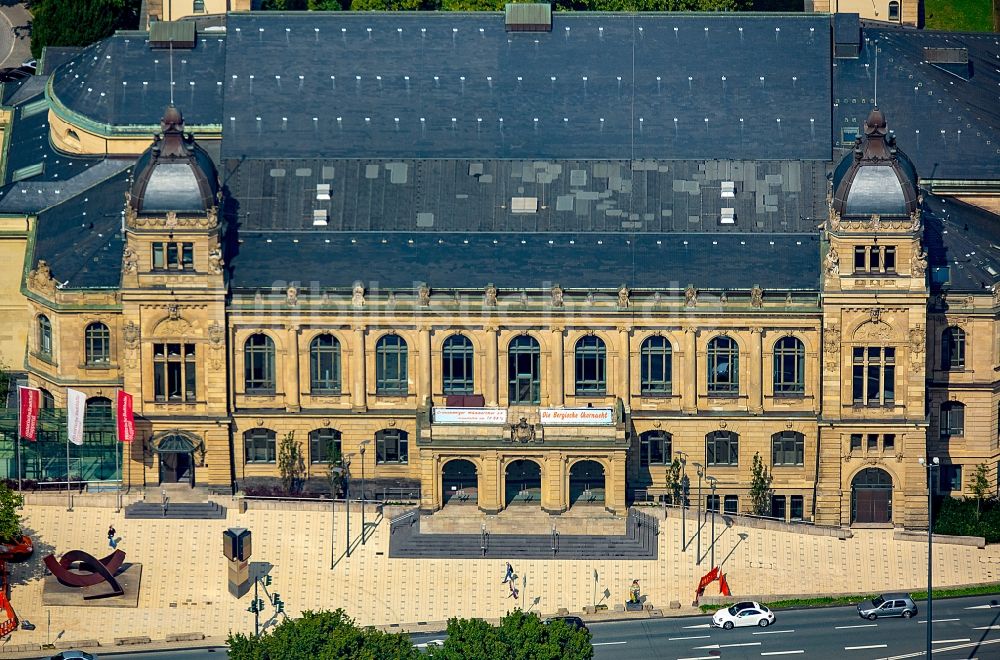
{"x":887,"y":605}
{"x":571,"y":621}
{"x":747,"y":613}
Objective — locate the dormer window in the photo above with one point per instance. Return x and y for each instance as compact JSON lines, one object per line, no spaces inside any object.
{"x":874,"y":259}
{"x":173,"y":256}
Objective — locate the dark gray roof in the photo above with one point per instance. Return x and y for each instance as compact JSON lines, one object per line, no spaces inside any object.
{"x":120,"y":81}
{"x":687,"y":86}
{"x":963,"y":245}
{"x":81,"y":237}
{"x":573,"y":196}
{"x":526,"y":260}
{"x":948,"y":126}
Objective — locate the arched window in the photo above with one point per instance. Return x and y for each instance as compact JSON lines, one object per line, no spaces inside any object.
{"x":523,"y":367}
{"x":324,"y":365}
{"x":97,"y":344}
{"x":392,"y":446}
{"x":952,"y":419}
{"x":324,"y":446}
{"x":390,"y":365}
{"x":44,"y":336}
{"x":722,"y":448}
{"x":98,"y":409}
{"x":456,"y":365}
{"x":259,"y":446}
{"x":98,"y":422}
{"x":591,"y":366}
{"x":656,"y":367}
{"x":787,"y":448}
{"x":655,"y":448}
{"x":48,"y":402}
{"x":894,"y":11}
{"x":258,"y":364}
{"x":723,"y":366}
{"x":789,"y":367}
{"x":953,"y":349}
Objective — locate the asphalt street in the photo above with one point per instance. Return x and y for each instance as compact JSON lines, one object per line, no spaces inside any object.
{"x":217,"y":653}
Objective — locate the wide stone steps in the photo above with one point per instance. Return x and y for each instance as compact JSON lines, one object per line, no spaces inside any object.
{"x":176,"y":510}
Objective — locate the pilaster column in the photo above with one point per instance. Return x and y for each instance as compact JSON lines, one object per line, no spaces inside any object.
{"x":558,"y":388}
{"x":689,"y":393}
{"x":292,"y":384}
{"x":756,"y":392}
{"x":425,"y":365}
{"x":491,"y":382}
{"x":625,"y":353}
{"x":359,"y":397}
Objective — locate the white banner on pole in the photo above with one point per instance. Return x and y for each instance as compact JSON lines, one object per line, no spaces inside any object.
{"x":76,"y":405}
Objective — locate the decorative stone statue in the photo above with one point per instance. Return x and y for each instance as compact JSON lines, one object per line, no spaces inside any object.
{"x":690,"y":296}
{"x":875,"y":314}
{"x":756,"y":297}
{"x":590,"y":297}
{"x":524,"y":298}
{"x":358,"y":295}
{"x":832,"y":262}
{"x":41,"y":278}
{"x":490,"y":296}
{"x":215,"y":262}
{"x":634,"y":592}
{"x":173,"y":312}
{"x":128,"y":260}
{"x":918,"y":264}
{"x":557,"y":296}
{"x":424,"y":295}
{"x":623,"y":296}
{"x":130,"y":332}
{"x":522,"y":431}
{"x":724,"y":298}
{"x":292,"y":296}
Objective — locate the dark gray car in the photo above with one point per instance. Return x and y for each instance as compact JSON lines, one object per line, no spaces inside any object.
{"x":887,"y":605}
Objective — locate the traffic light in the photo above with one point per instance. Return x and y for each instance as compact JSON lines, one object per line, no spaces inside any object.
{"x":267,"y":580}
{"x":280,"y":606}
{"x":275,"y":598}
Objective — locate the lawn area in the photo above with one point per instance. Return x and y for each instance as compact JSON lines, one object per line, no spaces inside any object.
{"x":959,"y":15}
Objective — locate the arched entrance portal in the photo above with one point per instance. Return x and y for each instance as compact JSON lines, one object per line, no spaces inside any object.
{"x":176,"y":450}
{"x":586,"y":483}
{"x":523,"y":483}
{"x":459,"y":482}
{"x":871,"y":496}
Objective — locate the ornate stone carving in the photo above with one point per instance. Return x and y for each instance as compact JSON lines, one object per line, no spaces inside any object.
{"x":557,"y":296}
{"x":173,"y":325}
{"x":524,"y":298}
{"x":128,"y":260}
{"x":875,"y":313}
{"x":657,"y":298}
{"x":40,"y":279}
{"x":258,"y":299}
{"x":873,"y":331}
{"x":918,"y":264}
{"x":130,"y":333}
{"x":173,"y":312}
{"x":918,"y":339}
{"x":690,"y":296}
{"x":831,"y":346}
{"x":832,"y":262}
{"x":915,"y":219}
{"x":358,"y":295}
{"x":996,"y":294}
{"x":623,"y":296}
{"x":590,"y":298}
{"x":291,"y":296}
{"x":424,"y":295}
{"x":724,"y":298}
{"x":756,"y":297}
{"x":390,"y":300}
{"x":216,"y":333}
{"x":490,"y":296}
{"x":834,"y":220}
{"x":171,"y":219}
{"x":522,"y":431}
{"x":876,"y":221}
{"x":215,"y":262}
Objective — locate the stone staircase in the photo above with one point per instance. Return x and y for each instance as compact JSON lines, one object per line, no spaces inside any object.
{"x":638,"y":542}
{"x":177,"y":502}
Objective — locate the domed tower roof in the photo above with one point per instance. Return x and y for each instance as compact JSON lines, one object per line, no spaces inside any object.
{"x":876,"y":178}
{"x":174,"y":174}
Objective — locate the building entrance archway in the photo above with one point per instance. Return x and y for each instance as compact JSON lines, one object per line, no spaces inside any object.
{"x":459,"y":482}
{"x":871,"y":496}
{"x":586,"y":483}
{"x":523,"y":483}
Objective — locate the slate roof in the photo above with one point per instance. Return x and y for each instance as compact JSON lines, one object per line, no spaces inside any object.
{"x":654,"y":79}
{"x":948,"y":126}
{"x":963,"y":245}
{"x":572,"y":196}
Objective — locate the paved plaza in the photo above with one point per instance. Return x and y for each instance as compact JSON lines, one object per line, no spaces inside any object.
{"x":184,"y":572}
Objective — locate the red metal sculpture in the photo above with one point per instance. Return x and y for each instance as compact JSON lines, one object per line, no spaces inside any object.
{"x":102,"y":570}
{"x":10,"y":552}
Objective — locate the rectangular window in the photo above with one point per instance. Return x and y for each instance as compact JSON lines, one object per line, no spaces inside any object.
{"x":174,"y":372}
{"x":159,"y":257}
{"x":259,"y":446}
{"x":712,"y":503}
{"x":889,"y":259}
{"x":778,"y":506}
{"x":198,"y":6}
{"x":860,"y":258}
{"x":872,"y":442}
{"x":889,"y":442}
{"x":731,"y":504}
{"x":173,"y":256}
{"x":324,"y":446}
{"x":654,"y":449}
{"x":951,"y":478}
{"x":788,"y":448}
{"x":391,"y":447}
{"x":855,"y":442}
{"x":797,"y":507}
{"x":873,"y":379}
{"x":722,"y":448}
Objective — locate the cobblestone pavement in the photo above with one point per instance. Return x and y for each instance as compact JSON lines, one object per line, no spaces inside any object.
{"x":184,"y":573}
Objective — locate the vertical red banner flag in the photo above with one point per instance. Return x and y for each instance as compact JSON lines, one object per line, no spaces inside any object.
{"x":126,"y":422}
{"x":29,"y":399}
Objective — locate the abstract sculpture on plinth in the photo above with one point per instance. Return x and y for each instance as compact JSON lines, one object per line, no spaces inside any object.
{"x":97,"y":571}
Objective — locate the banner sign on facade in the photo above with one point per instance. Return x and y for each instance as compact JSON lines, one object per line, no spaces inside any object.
{"x":496,"y":416}
{"x":28,"y":399}
{"x":576,"y":416}
{"x":76,"y":406}
{"x":124,"y":417}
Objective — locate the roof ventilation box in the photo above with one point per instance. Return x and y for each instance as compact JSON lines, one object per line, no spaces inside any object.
{"x":176,"y":34}
{"x":846,"y":36}
{"x":528,"y":17}
{"x":953,"y":60}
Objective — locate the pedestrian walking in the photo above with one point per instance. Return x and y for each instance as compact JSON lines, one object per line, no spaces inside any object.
{"x":111,"y":537}
{"x":513,"y":590}
{"x":509,"y":575}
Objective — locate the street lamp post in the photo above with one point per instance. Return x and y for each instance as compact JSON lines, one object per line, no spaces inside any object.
{"x":347,"y":500}
{"x":701,"y":473}
{"x":364,"y":528}
{"x":712,"y":481}
{"x":934,"y":462}
{"x":334,"y":470}
{"x":683,"y":459}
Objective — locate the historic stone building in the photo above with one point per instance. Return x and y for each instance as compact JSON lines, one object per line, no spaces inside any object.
{"x":425,"y":268}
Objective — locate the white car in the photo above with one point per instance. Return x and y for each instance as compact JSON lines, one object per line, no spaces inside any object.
{"x":743,"y":614}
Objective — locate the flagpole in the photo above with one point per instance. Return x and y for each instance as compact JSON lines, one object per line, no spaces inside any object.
{"x":17,"y":447}
{"x":118,"y":440}
{"x":69,"y":495}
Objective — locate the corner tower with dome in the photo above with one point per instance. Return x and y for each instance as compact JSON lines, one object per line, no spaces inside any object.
{"x":874,"y":291}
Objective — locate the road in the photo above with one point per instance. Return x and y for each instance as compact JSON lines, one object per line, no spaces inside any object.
{"x":217,"y":653}
{"x":963,"y":628}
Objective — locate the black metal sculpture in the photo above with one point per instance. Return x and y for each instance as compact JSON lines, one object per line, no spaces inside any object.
{"x":102,"y":570}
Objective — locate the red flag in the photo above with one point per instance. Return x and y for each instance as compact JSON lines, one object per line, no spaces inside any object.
{"x":724,"y":586}
{"x":126,"y":421}
{"x":28,"y":402}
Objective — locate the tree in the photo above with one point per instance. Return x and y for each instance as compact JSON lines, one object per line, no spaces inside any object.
{"x":760,"y":486}
{"x":79,"y":22}
{"x":323,"y":635}
{"x":674,"y":481}
{"x":291,"y":463}
{"x":10,"y":522}
{"x":980,"y":485}
{"x":520,"y":636}
{"x":335,"y":475}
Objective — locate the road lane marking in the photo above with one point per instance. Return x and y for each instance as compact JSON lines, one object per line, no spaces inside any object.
{"x":983,"y":607}
{"x":941,"y":620}
{"x":700,"y":625}
{"x":987,"y":628}
{"x":870,"y":646}
{"x":674,"y":639}
{"x":726,"y":646}
{"x":782,"y":652}
{"x":949,"y":641}
{"x":606,"y":643}
{"x":773,"y":632}
{"x":701,"y":657}
{"x":957,"y":647}
{"x":860,"y":625}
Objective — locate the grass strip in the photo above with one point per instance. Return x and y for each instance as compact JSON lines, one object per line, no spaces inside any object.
{"x":834,"y":601}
